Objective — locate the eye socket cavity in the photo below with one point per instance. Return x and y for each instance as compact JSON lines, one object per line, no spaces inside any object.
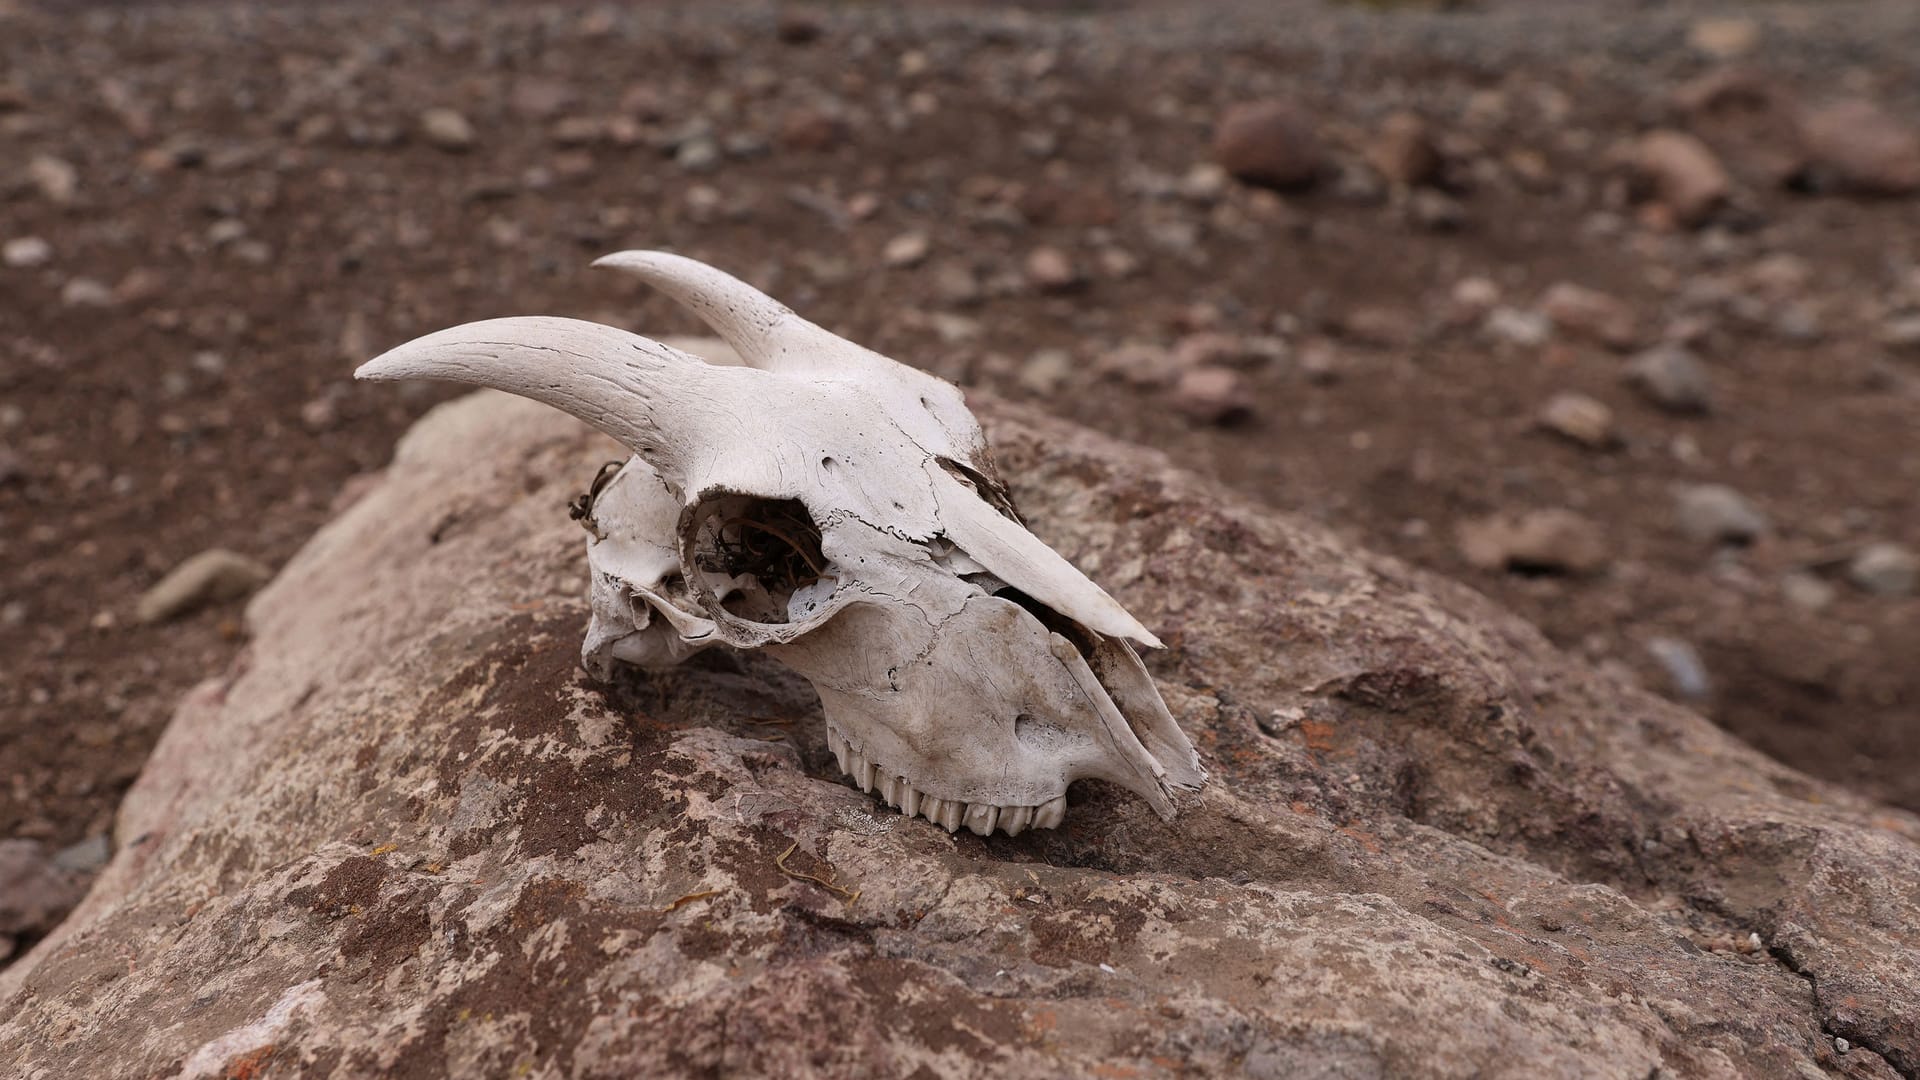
{"x":758,"y":560}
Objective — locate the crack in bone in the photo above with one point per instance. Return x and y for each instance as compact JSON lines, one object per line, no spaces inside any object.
{"x":952,"y":643}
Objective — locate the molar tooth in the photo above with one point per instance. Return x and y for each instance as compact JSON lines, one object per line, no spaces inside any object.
{"x":861,"y":772}
{"x":909,"y":800}
{"x":1049,"y":814}
{"x":951,"y":812}
{"x":890,"y":790}
{"x":839,"y":747}
{"x":930,"y":808}
{"x":981,"y":817}
{"x":1015,"y":819}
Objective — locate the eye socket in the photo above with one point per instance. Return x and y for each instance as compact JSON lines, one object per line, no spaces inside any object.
{"x":758,"y":559}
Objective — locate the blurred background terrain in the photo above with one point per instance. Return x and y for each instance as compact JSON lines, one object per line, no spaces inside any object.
{"x":1610,"y":309}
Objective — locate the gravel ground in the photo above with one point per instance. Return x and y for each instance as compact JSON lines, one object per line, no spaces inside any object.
{"x":210,"y":212}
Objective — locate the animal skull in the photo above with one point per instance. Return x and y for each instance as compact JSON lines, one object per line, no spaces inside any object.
{"x":841,"y":511}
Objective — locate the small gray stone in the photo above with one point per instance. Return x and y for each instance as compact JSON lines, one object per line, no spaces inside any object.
{"x":1530,"y":329}
{"x":34,"y":892}
{"x":86,"y":856}
{"x":1885,"y":569}
{"x":1685,"y":669}
{"x":698,"y":154}
{"x":1715,"y":513}
{"x":210,"y":577}
{"x":1673,"y":378}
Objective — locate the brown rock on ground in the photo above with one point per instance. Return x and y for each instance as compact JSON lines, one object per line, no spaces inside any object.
{"x":1858,"y":146}
{"x":1403,"y":152}
{"x":1682,"y":174}
{"x":1592,"y":314}
{"x":1272,"y":143}
{"x":405,"y":835}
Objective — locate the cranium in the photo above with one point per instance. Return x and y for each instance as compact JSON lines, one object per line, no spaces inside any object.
{"x":841,"y":511}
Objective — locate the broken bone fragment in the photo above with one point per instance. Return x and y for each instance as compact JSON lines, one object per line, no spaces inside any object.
{"x":841,"y":511}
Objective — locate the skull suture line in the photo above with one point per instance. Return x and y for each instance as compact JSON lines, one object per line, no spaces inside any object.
{"x":841,"y":511}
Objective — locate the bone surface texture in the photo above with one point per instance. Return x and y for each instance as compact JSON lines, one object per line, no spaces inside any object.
{"x":842,"y":512}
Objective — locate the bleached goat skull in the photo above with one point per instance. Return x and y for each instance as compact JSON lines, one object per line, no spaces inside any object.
{"x":841,"y":511}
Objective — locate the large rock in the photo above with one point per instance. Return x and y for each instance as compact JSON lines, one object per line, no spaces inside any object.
{"x":405,"y":835}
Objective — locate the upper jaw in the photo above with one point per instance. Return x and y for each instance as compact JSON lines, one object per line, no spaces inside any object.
{"x":900,"y":792}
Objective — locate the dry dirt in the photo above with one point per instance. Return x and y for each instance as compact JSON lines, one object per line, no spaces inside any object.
{"x":254,"y":208}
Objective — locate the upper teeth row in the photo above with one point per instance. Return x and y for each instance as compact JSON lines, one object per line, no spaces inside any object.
{"x":949,"y":814}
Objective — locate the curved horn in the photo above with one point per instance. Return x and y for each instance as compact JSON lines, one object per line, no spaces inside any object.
{"x":769,"y":336}
{"x":657,"y":401}
{"x":765,"y":332}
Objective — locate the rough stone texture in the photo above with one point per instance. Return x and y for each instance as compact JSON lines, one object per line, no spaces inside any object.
{"x":405,"y":835}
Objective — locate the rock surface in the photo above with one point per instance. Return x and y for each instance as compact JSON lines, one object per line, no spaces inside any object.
{"x":405,"y":835}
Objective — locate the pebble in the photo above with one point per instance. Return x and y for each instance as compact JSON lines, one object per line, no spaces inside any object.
{"x":1857,"y":146}
{"x":1529,"y":329}
{"x":23,"y":252}
{"x":1724,"y":37}
{"x":1685,"y":670}
{"x":1807,"y":591}
{"x":34,"y":892}
{"x":698,"y":154}
{"x":1213,"y":395}
{"x":1046,"y":371}
{"x":1051,"y":270}
{"x":1550,"y":541}
{"x":907,"y":249}
{"x":447,"y":129}
{"x":86,"y":292}
{"x":1436,"y":211}
{"x":212,"y":576}
{"x":1140,"y":364}
{"x":1715,"y":513}
{"x":955,"y":283}
{"x":1579,"y":418}
{"x":1592,"y":314}
{"x":1683,"y":174}
{"x":1271,"y":143}
{"x":810,"y":129}
{"x":1885,"y":569}
{"x":56,"y":178}
{"x":1672,"y":377}
{"x":1403,"y":152}
{"x":1902,"y":333}
{"x":86,"y":856}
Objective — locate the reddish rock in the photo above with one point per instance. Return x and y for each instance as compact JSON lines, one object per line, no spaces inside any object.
{"x":1213,"y":395}
{"x":1553,"y":541}
{"x":1681,"y":173}
{"x":1403,"y":151}
{"x":1272,"y":143}
{"x":408,"y":836}
{"x":811,"y":130}
{"x":1857,"y":146}
{"x":1592,"y":314}
{"x":1051,"y":270}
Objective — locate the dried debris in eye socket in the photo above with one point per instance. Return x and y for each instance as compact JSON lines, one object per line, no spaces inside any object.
{"x":581,"y":508}
{"x":773,"y":543}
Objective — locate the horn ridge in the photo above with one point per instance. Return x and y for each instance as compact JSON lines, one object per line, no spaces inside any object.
{"x":627,"y":386}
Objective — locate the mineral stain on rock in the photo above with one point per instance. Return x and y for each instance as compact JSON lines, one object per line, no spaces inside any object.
{"x":1434,"y":845}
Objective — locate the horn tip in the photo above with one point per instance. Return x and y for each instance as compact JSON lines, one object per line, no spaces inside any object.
{"x":625,"y":260}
